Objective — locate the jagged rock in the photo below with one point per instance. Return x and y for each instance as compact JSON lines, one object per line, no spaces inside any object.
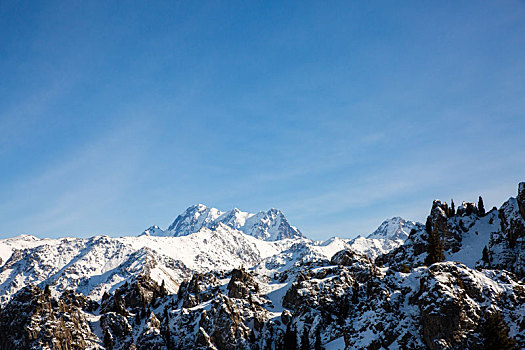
{"x":140,"y":292}
{"x":241,"y":284}
{"x":117,"y":324}
{"x":204,"y":340}
{"x":507,"y":244}
{"x":441,"y":223}
{"x":346,"y":257}
{"x":224,"y":324}
{"x":151,"y":337}
{"x":70,"y":297}
{"x":200,"y":288}
{"x":467,"y":209}
{"x":32,"y":319}
{"x":453,"y":299}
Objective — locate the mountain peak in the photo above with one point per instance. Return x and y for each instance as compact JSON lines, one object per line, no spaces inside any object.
{"x":395,"y":228}
{"x":271,"y":225}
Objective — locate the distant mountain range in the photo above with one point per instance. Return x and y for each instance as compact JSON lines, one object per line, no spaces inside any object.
{"x":238,"y":280}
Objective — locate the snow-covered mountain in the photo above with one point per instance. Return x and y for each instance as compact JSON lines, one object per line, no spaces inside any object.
{"x":467,"y":233}
{"x":231,"y":280}
{"x":390,"y":235}
{"x":268,"y":225}
{"x":396,"y":229}
{"x":100,"y":264}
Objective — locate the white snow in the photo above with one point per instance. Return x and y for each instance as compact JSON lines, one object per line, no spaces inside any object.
{"x":270,"y":225}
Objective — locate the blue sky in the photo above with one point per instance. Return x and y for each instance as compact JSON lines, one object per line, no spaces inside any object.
{"x":115,"y":116}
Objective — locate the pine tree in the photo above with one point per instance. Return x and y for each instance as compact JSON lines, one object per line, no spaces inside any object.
{"x":495,"y":333}
{"x":355,"y":292}
{"x":163,"y":291}
{"x":154,"y":298}
{"x":485,"y":255}
{"x":119,"y":307}
{"x":434,"y":248}
{"x":165,"y":314}
{"x":108,"y":340}
{"x":481,"y":207}
{"x":290,"y":339}
{"x":317,"y":344}
{"x":47,"y":290}
{"x":452,"y":208}
{"x":305,"y":340}
{"x":428,"y":225}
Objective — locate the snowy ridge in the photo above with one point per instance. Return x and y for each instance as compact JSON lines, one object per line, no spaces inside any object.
{"x":396,"y":229}
{"x":98,"y":264}
{"x":222,"y":288}
{"x":271,"y":225}
{"x":391,"y":234}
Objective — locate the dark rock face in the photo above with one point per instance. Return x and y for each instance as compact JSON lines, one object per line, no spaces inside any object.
{"x":467,"y":209}
{"x":201,"y":288}
{"x":33,"y":319}
{"x":452,"y":303}
{"x":116,"y":324}
{"x":521,"y":199}
{"x":140,"y":292}
{"x":224,"y":325}
{"x":346,"y":258}
{"x":241,"y":284}
{"x":78,"y":300}
{"x":151,"y":337}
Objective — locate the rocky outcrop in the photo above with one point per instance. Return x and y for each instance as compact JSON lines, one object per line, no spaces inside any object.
{"x":453,"y":300}
{"x":140,"y":292}
{"x":151,"y":337}
{"x":33,"y":319}
{"x":467,"y":209}
{"x":224,"y":325}
{"x":502,"y":231}
{"x":200,"y":288}
{"x":242,"y":284}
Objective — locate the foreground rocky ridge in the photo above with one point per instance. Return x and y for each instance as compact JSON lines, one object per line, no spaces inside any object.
{"x":347,"y":300}
{"x":290,"y":294}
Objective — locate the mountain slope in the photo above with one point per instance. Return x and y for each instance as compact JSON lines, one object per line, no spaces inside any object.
{"x":466,"y":233}
{"x":390,"y":235}
{"x":221,"y":288}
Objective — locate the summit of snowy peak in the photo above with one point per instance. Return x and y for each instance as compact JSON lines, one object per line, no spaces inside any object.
{"x":395,"y":228}
{"x":268,"y":225}
{"x":271,"y":225}
{"x":193,"y":219}
{"x":23,"y":237}
{"x":153,"y":231}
